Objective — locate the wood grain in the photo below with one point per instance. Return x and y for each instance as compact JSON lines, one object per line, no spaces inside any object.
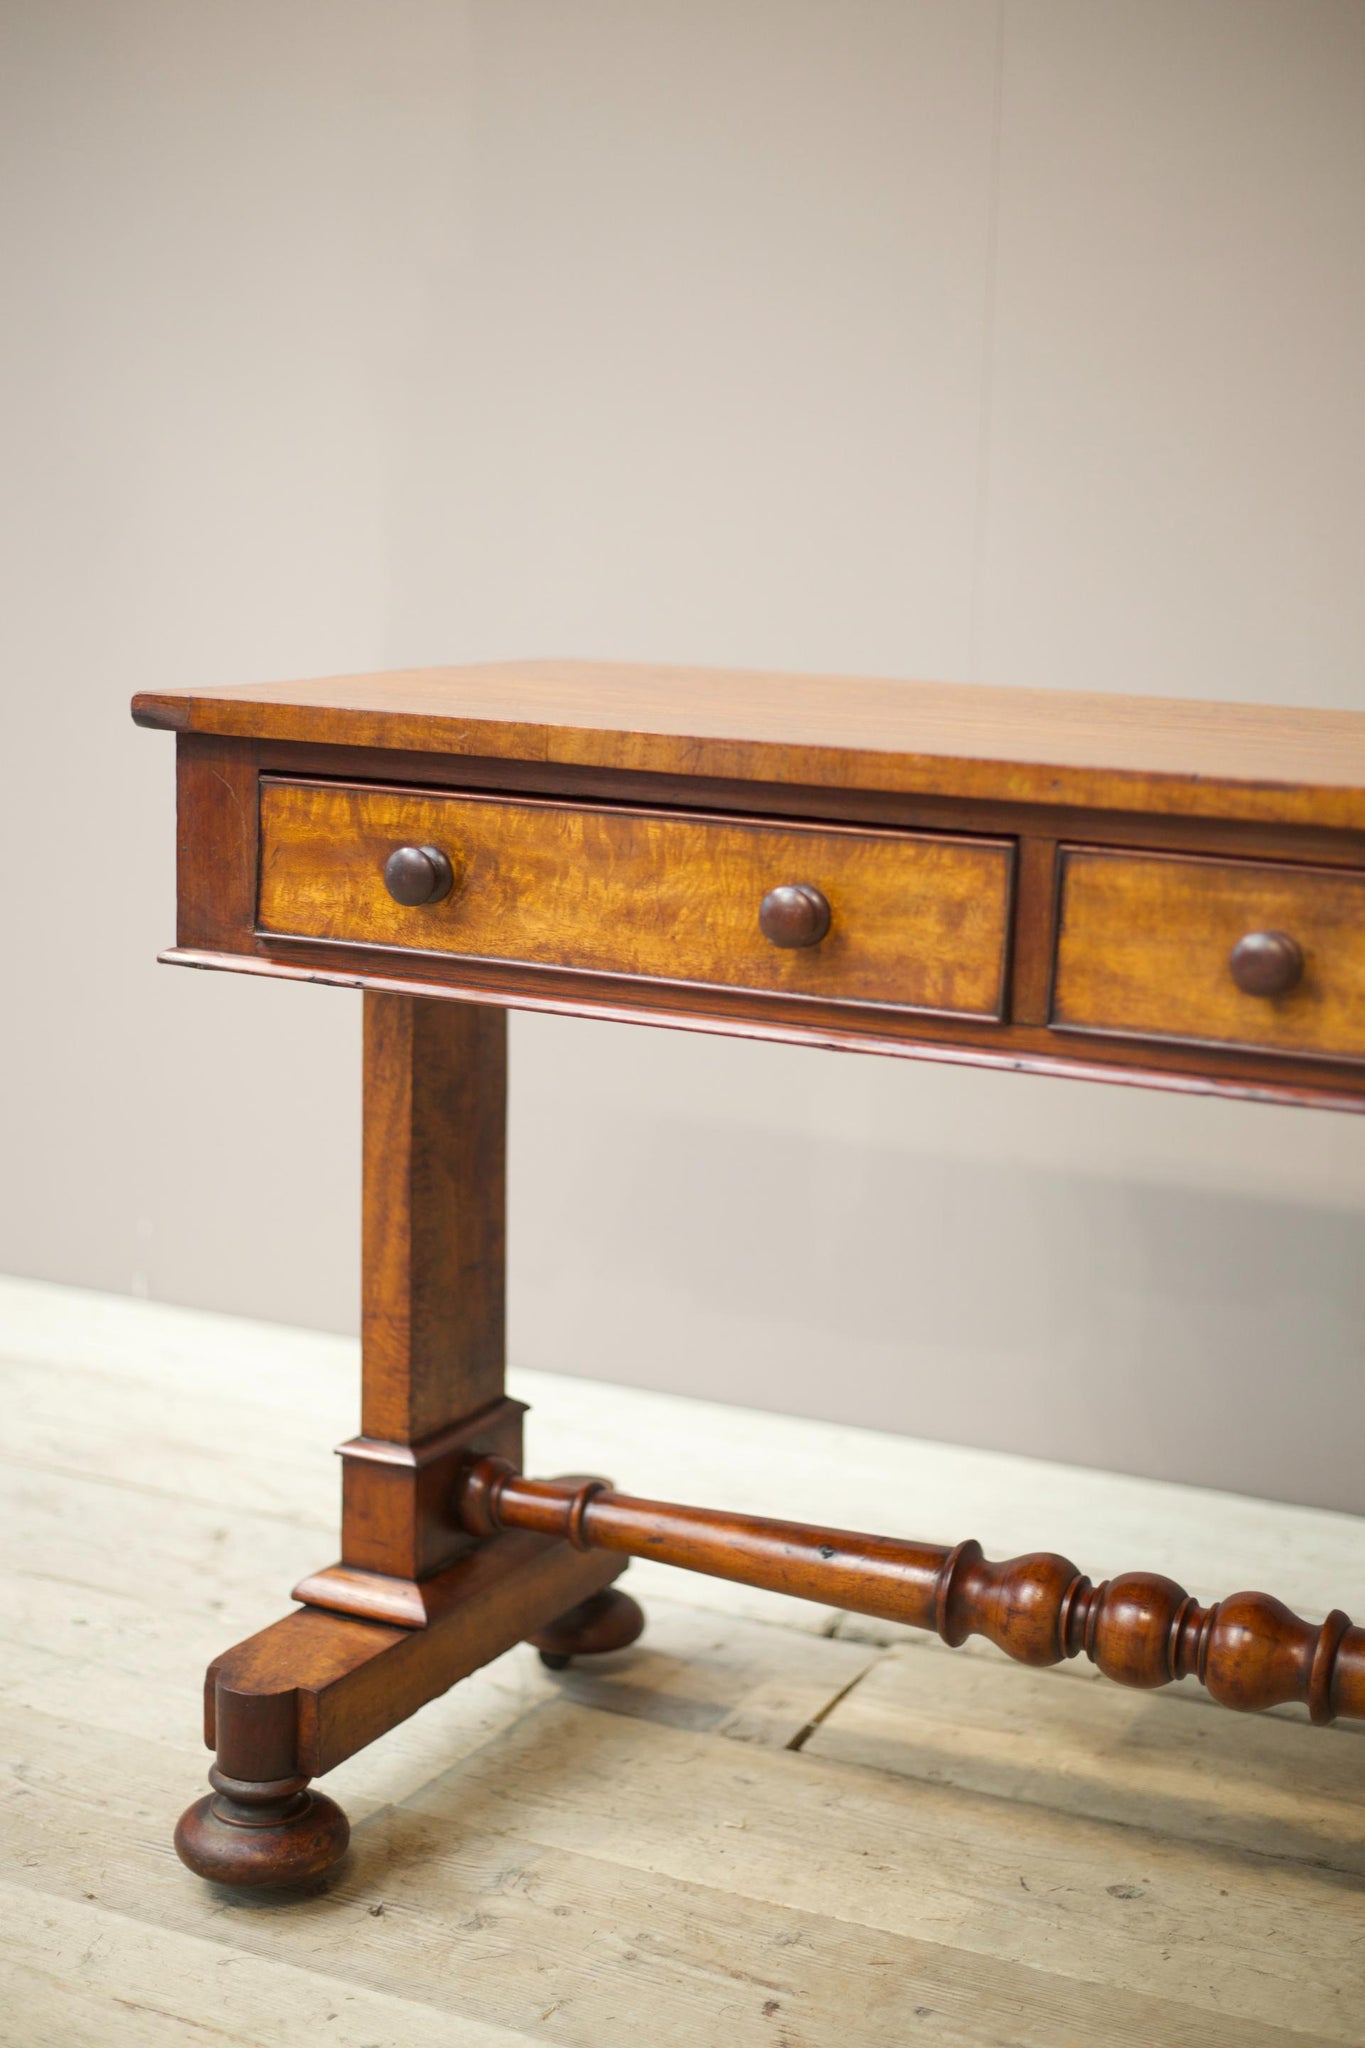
{"x":433,"y":1287}
{"x":216,"y":840}
{"x":1141,"y":1629}
{"x":293,"y":1701}
{"x":1145,"y":940}
{"x":584,"y":1866}
{"x":918,"y":921}
{"x":90,"y":1976}
{"x":218,"y":928}
{"x":947,"y":739}
{"x":1243,"y":1073}
{"x":395,"y":1511}
{"x":1034,"y":927}
{"x":1036,"y":1858}
{"x":1264,"y":1785}
{"x":1108,"y":1908}
{"x":312,"y":1689}
{"x":913,"y":809}
{"x":548,"y":886}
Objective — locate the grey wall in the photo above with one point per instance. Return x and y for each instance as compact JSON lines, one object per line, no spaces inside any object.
{"x":1019,"y":342}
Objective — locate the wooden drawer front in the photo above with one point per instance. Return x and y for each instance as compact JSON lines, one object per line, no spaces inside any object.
{"x":1145,"y":942}
{"x":917,"y":921}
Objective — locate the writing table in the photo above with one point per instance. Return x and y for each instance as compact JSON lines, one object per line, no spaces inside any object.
{"x":1123,"y":889}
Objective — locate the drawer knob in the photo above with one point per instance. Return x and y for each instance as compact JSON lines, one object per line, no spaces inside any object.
{"x":1266,"y":964}
{"x":794,"y":915}
{"x":418,"y":874}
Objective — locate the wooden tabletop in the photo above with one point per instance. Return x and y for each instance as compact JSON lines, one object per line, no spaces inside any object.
{"x":1155,"y":754}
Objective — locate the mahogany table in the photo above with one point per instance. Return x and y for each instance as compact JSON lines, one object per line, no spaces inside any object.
{"x":1119,"y":889}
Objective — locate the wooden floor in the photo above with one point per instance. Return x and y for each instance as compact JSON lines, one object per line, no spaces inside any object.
{"x":766,"y":1824}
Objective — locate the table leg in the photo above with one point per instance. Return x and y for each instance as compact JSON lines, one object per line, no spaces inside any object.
{"x":415,"y":1601}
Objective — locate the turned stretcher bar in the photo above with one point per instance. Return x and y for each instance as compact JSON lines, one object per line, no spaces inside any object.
{"x":1140,"y":1629}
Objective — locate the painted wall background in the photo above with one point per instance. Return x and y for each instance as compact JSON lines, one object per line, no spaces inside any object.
{"x":1019,"y":342}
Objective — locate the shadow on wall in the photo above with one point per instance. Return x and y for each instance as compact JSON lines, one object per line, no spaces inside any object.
{"x":944,"y":1297}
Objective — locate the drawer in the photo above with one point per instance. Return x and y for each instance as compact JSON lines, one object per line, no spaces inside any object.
{"x":917,"y":921}
{"x":1154,"y":946}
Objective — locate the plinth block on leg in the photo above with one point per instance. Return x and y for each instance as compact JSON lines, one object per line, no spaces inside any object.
{"x":397,"y":1499}
{"x":399,"y":1525}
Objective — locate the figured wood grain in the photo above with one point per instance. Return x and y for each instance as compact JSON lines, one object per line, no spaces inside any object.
{"x":946,"y":739}
{"x":1145,"y":940}
{"x":916,"y":809}
{"x":218,"y":928}
{"x":631,"y":908}
{"x":918,"y":921}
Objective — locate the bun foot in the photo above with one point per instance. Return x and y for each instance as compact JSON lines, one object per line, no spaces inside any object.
{"x":607,"y":1621}
{"x":275,"y":1834}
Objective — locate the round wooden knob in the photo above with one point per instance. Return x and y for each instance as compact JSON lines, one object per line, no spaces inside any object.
{"x":418,"y":874}
{"x":1266,"y":964}
{"x":794,"y":915}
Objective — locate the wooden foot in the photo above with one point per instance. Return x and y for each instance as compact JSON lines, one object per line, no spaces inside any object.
{"x":608,"y":1621}
{"x":1141,"y":1629}
{"x":291,"y":1703}
{"x":262,"y":1834}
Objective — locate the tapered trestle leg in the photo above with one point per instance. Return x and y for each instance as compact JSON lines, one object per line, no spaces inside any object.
{"x":413,"y":1604}
{"x":608,"y":1621}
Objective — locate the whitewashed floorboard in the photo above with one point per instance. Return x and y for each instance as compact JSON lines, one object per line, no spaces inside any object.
{"x":766,"y":1823}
